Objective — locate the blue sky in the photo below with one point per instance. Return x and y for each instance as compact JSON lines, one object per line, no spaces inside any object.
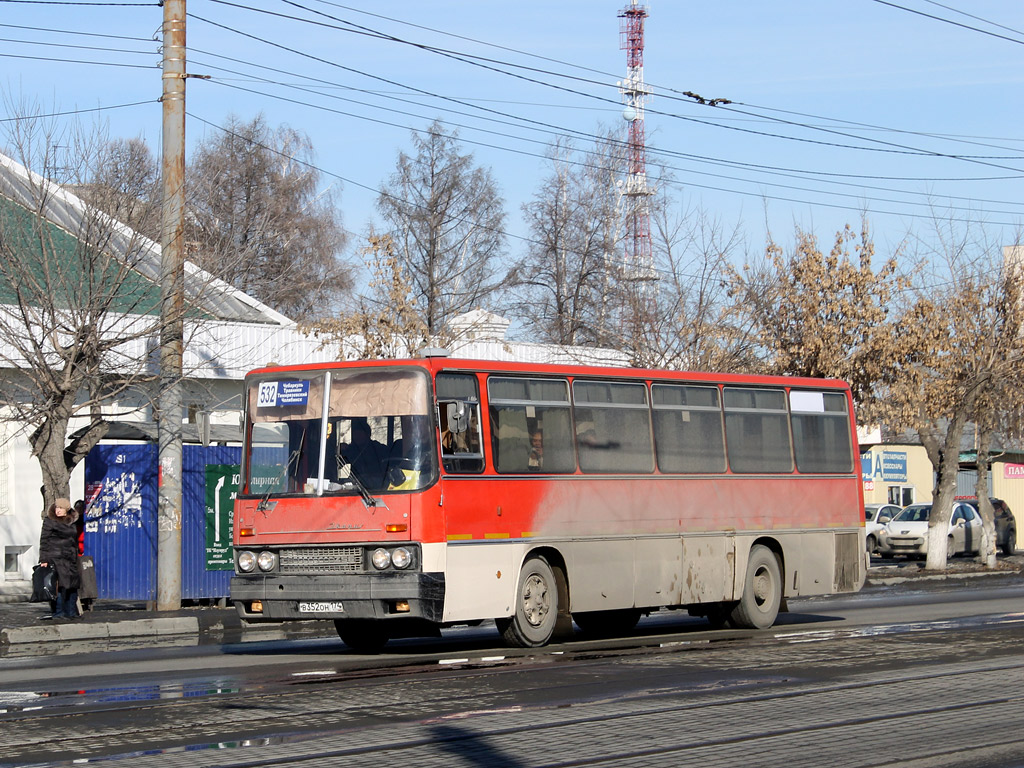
{"x":838,"y":107}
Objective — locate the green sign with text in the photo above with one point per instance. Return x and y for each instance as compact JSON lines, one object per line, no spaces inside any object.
{"x":221,"y":488}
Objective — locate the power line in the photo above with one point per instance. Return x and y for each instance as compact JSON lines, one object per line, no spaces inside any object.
{"x":690,"y":184}
{"x":546,"y":126}
{"x":577,"y":163}
{"x":950,"y":21}
{"x":972,"y":16}
{"x":78,"y":32}
{"x":72,"y":2}
{"x":68,"y":112}
{"x":74,"y":47}
{"x":77,"y":61}
{"x":886,"y":146}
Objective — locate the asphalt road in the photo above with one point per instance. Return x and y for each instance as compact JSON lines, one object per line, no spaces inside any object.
{"x":920,"y":674}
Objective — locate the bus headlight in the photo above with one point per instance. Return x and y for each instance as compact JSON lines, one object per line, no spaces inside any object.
{"x":246,"y":562}
{"x":381,"y":559}
{"x":266,"y":561}
{"x":401,"y":558}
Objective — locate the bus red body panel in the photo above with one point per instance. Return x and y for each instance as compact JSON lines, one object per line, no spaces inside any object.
{"x":415,"y":494}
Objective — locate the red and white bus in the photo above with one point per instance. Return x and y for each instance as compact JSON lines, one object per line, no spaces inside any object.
{"x":400,"y":497}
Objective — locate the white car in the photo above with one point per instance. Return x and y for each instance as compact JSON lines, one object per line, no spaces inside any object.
{"x":907,"y":533}
{"x":875,"y":518}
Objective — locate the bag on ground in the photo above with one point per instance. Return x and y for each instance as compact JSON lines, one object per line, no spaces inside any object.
{"x":87,"y":575}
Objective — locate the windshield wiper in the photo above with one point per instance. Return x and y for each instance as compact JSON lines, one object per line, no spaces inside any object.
{"x":368,"y":499}
{"x":263,"y":505}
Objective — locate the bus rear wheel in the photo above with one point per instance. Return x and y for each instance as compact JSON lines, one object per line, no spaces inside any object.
{"x":762,"y":591}
{"x":607,"y":623}
{"x":361,"y":635}
{"x":536,"y":607}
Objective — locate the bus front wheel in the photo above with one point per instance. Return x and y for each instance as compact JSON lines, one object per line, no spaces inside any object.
{"x":536,"y":606}
{"x":362,"y":636}
{"x":762,"y":591}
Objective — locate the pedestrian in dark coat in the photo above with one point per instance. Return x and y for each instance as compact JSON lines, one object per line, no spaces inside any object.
{"x":58,"y":547}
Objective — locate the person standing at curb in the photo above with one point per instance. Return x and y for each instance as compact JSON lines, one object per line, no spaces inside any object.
{"x":58,"y":547}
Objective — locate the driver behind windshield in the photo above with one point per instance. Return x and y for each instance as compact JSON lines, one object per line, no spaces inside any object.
{"x":367,"y":458}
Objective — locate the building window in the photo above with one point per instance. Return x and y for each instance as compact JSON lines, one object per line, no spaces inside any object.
{"x":12,"y":561}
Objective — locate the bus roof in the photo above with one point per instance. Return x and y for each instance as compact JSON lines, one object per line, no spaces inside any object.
{"x":441,"y":363}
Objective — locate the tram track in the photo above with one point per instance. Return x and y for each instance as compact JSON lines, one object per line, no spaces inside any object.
{"x":462,"y":710}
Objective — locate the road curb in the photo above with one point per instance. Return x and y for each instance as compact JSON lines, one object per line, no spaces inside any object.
{"x":104,"y":631}
{"x":890,"y":580}
{"x":120,"y":630}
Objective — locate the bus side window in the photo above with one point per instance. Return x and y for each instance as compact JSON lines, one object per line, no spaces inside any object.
{"x":757,"y":434}
{"x":458,"y":414}
{"x":821,"y":431}
{"x":613,"y":426}
{"x":531,"y":425}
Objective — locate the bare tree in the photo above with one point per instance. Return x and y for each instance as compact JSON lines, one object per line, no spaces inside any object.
{"x":258,"y":218}
{"x":446,"y":219}
{"x":562,"y":284}
{"x":686,"y":318}
{"x":125,"y":184}
{"x":75,"y":311}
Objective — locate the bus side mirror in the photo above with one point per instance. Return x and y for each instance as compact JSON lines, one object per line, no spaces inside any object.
{"x":458,"y":417}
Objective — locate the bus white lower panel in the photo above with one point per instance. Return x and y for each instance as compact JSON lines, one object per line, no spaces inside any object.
{"x":480,"y":581}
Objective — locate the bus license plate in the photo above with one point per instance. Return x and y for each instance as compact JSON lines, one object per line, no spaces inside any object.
{"x":321,"y":607}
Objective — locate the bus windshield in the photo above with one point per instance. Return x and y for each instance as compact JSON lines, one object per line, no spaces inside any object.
{"x":318,"y":433}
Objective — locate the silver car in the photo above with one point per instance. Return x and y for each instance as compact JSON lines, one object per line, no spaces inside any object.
{"x":875,"y":518}
{"x":907,"y":533}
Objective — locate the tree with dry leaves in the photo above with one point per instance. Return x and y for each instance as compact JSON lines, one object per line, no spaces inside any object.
{"x":827,"y":314}
{"x":386,"y":322}
{"x":966,"y":330}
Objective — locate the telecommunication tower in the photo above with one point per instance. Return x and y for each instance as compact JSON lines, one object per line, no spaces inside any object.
{"x":635,"y":191}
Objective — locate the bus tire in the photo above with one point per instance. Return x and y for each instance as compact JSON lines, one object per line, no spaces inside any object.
{"x":536,"y":606}
{"x":762,"y":591}
{"x":362,"y":635}
{"x":607,"y":623}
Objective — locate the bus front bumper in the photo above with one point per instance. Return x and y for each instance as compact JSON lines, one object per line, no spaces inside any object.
{"x":387,"y":595}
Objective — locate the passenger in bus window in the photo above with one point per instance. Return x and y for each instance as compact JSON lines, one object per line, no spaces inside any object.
{"x":535,"y":461}
{"x":367,"y":458}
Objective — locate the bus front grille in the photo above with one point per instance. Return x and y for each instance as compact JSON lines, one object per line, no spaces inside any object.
{"x":321,"y":560}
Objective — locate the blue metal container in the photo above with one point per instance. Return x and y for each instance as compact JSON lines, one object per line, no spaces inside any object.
{"x":121,"y":519}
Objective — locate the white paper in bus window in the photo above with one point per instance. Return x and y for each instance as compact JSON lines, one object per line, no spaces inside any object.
{"x":807,"y":402}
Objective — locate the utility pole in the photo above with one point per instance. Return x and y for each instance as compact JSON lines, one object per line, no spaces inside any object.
{"x":172,"y":303}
